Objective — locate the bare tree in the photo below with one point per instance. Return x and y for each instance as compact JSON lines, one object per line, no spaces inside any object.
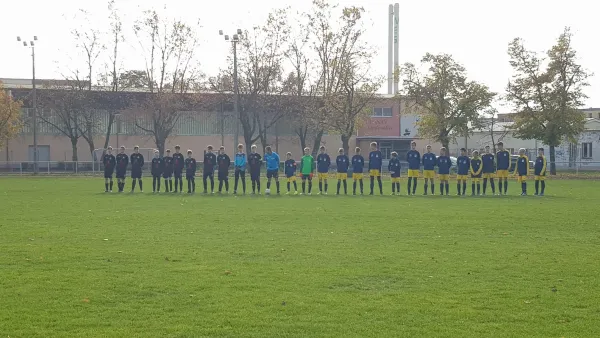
{"x":306,"y":113}
{"x":89,"y":43}
{"x":66,"y":105}
{"x":168,"y":47}
{"x":345,"y":81}
{"x":496,"y":130}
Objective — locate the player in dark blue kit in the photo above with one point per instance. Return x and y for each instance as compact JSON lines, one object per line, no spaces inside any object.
{"x":429,"y":163}
{"x":375,"y":163}
{"x":522,"y":171}
{"x":290,"y":173}
{"x":178,"y":165}
{"x":254,"y":163}
{"x":539,"y":171}
{"x":109,"y":162}
{"x":463,"y":166}
{"x":323,"y":163}
{"x":122,"y":162}
{"x":158,"y":167}
{"x":137,"y":163}
{"x":342,"y":163}
{"x":444,"y":164}
{"x":208,"y":171}
{"x":394,"y":168}
{"x":489,"y":170}
{"x":168,"y":171}
{"x":358,"y":165}
{"x":476,"y":168}
{"x":502,"y":167}
{"x":413,"y":157}
{"x":223,"y":163}
{"x":190,"y":172}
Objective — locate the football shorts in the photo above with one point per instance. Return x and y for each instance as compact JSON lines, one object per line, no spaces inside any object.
{"x":322,"y":176}
{"x":522,"y":178}
{"x":167,"y":174}
{"x":462,"y":177}
{"x":413,"y":173}
{"x":121,"y":174}
{"x":540,"y":177}
{"x":342,"y":176}
{"x":443,"y":177}
{"x":273,"y":173}
{"x":136,"y":173}
{"x":395,"y":179}
{"x":374,"y":173}
{"x":307,"y":177}
{"x":475,"y":179}
{"x":428,"y":174}
{"x":108,"y":173}
{"x":502,"y":173}
{"x":357,"y":176}
{"x":488,"y":175}
{"x":291,"y":178}
{"x":223,"y":175}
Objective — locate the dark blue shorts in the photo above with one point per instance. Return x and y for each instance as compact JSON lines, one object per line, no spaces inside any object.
{"x":178,"y":173}
{"x":255,"y":175}
{"x":306,"y":177}
{"x":108,"y":173}
{"x":208,"y":174}
{"x":136,"y":173}
{"x":121,"y":174}
{"x":273,"y":173}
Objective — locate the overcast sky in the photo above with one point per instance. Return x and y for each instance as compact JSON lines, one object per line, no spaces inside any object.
{"x":475,"y":32}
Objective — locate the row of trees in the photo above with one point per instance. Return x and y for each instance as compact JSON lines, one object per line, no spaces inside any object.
{"x":545,"y":92}
{"x":314,"y":73}
{"x":311,"y":69}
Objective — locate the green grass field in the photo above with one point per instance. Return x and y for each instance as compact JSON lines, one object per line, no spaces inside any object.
{"x":76,"y":262}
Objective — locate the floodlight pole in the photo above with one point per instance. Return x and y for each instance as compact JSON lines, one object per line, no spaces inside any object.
{"x":234,"y":41}
{"x":34,"y":102}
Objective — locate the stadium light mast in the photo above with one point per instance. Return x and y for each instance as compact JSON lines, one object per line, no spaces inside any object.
{"x":235,"y":38}
{"x":31,"y":45}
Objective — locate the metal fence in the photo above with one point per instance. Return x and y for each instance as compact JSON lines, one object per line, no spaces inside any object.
{"x":582,"y":169}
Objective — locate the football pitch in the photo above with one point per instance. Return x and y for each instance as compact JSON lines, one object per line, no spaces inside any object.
{"x":76,"y":262}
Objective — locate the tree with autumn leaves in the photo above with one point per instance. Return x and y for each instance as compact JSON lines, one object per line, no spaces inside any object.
{"x":547,"y":92}
{"x":10,"y":116}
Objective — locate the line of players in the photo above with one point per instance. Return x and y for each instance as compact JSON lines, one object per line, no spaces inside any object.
{"x":168,"y":167}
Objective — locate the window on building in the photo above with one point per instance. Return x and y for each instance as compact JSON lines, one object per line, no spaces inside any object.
{"x":586,"y":150}
{"x":382,"y":112}
{"x":590,"y":115}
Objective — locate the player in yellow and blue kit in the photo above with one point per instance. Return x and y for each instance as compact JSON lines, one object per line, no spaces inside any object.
{"x":342,"y":162}
{"x":476,"y":169}
{"x":539,"y":171}
{"x":429,"y":163}
{"x":489,"y":168}
{"x":290,"y":173}
{"x":502,"y":167}
{"x":323,"y":163}
{"x":375,"y":163}
{"x":463,"y":166}
{"x":444,"y":164}
{"x":522,"y":170}
{"x":358,"y":165}
{"x":394,"y":168}
{"x":413,"y":157}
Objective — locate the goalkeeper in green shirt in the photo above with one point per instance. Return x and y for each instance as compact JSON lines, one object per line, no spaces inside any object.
{"x":306,"y":170}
